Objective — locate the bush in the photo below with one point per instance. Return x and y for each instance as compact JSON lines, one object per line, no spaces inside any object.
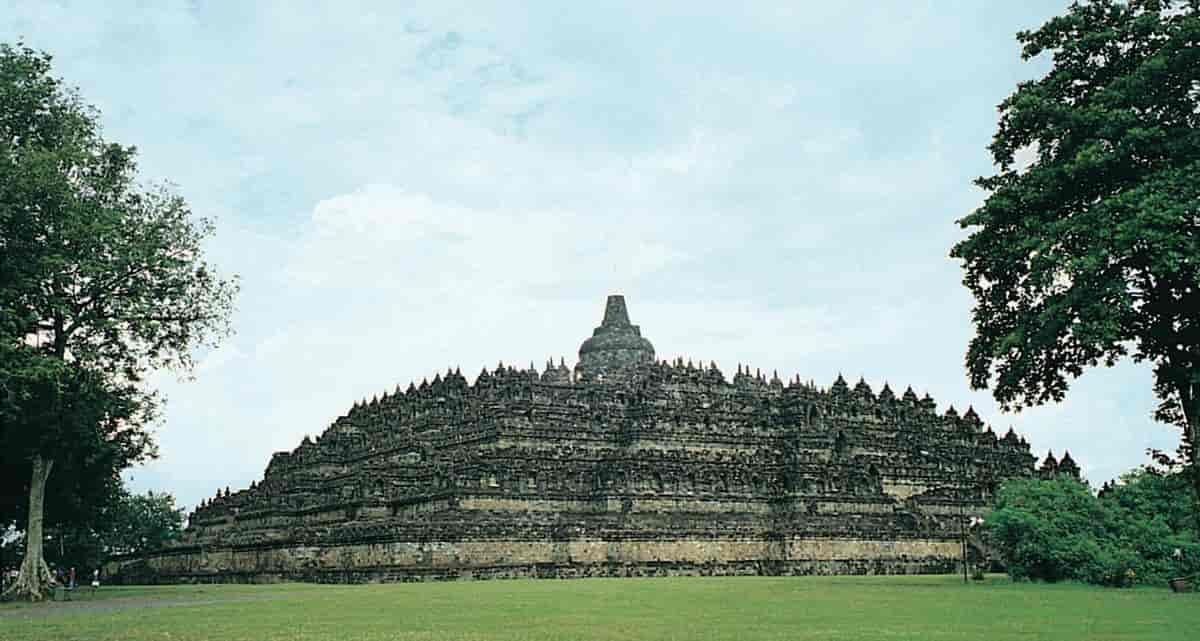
{"x":1055,"y":530}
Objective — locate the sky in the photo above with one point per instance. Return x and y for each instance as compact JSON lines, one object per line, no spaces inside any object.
{"x":406,"y":187}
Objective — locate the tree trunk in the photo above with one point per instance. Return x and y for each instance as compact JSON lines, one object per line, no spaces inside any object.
{"x":1193,"y":452}
{"x":33,"y":582}
{"x":1189,"y":394}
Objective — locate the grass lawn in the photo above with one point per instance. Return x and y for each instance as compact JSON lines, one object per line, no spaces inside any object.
{"x":826,"y":608}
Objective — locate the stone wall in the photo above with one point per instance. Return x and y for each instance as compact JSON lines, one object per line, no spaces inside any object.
{"x":631,"y":467}
{"x":405,"y":561}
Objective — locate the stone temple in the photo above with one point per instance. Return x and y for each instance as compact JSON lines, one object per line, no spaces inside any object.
{"x":625,"y":466}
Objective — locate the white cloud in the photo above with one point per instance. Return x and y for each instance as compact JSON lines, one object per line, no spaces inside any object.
{"x":384,"y":238}
{"x":406,"y":187}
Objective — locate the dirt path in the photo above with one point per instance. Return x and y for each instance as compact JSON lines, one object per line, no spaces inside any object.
{"x":113,"y":605}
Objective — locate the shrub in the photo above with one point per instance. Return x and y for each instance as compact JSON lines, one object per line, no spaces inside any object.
{"x":1055,"y":530}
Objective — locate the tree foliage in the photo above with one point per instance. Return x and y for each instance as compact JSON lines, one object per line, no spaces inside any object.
{"x":142,"y":523}
{"x":130,"y":524}
{"x":102,"y":280}
{"x":44,"y":398}
{"x":127,"y":524}
{"x":1155,"y":493}
{"x":96,"y":269}
{"x":1055,"y":530}
{"x":1092,"y":252}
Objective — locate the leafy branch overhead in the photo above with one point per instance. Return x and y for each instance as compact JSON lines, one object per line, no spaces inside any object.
{"x":1092,"y":252}
{"x":102,"y":280}
{"x":97,"y":270}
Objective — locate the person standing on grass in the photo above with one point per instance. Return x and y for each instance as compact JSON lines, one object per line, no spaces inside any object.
{"x":71,"y":585}
{"x":95,"y":579}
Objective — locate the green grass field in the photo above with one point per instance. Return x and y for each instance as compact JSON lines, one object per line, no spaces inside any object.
{"x":825,"y":608}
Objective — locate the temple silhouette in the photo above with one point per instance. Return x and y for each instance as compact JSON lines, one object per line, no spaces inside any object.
{"x":622,"y":466}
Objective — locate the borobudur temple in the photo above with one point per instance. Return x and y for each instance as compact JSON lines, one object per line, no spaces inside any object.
{"x":624,"y":466}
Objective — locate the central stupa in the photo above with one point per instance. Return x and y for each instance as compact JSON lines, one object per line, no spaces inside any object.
{"x":615,"y":345}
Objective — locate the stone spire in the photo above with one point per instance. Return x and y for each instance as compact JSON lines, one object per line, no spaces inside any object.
{"x":886,"y":395}
{"x":1068,"y":466}
{"x":615,"y":345}
{"x":1049,"y":467}
{"x":615,"y":313}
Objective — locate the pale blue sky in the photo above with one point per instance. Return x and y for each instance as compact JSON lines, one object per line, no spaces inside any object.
{"x":409,"y":186}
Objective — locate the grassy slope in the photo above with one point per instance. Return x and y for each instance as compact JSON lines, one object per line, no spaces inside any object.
{"x":925,"y":608}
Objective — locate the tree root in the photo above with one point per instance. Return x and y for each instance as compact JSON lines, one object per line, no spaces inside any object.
{"x":30,"y":586}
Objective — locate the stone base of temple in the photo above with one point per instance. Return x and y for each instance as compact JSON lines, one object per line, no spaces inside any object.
{"x":627,"y":466}
{"x":483,"y":560}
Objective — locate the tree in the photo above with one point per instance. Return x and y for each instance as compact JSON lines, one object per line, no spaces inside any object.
{"x":1092,"y":252}
{"x":54,"y":412}
{"x":130,"y":524}
{"x":91,"y":448}
{"x":1154,"y":493}
{"x":101,"y":282}
{"x":143,"y":522}
{"x":1056,"y":529}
